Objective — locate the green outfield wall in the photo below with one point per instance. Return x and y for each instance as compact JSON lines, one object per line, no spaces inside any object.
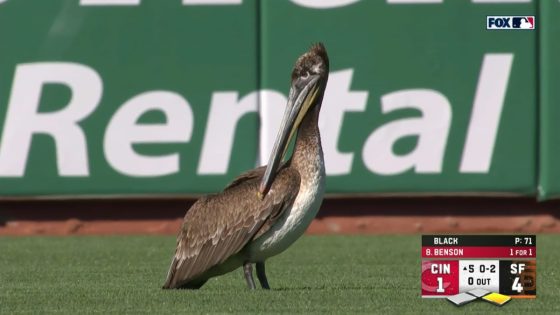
{"x":144,"y":97}
{"x":549,"y":182}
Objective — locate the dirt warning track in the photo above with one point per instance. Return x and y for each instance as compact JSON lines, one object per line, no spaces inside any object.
{"x":337,"y":216}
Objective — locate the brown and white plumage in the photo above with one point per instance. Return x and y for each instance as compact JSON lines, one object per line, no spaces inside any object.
{"x":264,"y":210}
{"x":219,"y":226}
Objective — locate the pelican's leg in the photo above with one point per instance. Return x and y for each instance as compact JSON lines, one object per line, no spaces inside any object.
{"x":248,"y":271}
{"x":262,"y":276}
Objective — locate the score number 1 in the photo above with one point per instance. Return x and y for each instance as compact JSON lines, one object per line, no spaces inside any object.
{"x":440,"y":288}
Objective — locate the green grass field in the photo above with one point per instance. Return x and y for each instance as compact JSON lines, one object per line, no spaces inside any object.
{"x":319,"y":274}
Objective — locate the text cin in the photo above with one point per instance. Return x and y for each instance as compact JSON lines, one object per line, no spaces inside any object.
{"x":442,"y":269}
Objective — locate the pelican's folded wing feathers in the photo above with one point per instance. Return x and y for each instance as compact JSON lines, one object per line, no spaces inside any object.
{"x":219,"y":226}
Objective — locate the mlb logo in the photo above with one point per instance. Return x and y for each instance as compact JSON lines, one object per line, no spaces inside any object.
{"x":510,"y":22}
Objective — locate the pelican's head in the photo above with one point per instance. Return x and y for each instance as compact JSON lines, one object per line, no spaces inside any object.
{"x":309,"y":80}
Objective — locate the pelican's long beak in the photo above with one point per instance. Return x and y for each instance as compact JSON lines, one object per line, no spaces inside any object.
{"x":303,"y":94}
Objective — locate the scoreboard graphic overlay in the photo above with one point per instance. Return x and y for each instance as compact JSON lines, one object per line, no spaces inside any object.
{"x":453,"y":264}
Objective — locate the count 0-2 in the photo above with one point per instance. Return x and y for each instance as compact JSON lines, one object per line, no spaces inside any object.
{"x":483,"y":268}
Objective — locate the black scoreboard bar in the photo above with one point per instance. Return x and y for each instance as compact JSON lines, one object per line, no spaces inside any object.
{"x":479,"y":240}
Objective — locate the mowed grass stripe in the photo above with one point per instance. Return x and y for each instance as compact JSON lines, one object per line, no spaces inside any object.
{"x":319,"y":274}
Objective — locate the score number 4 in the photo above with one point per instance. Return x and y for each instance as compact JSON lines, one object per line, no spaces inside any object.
{"x":517,"y":269}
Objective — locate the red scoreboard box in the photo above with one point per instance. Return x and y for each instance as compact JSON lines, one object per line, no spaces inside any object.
{"x":453,"y":264}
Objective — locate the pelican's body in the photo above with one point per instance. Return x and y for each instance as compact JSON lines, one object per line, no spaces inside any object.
{"x":297,"y":218}
{"x":265,"y":210}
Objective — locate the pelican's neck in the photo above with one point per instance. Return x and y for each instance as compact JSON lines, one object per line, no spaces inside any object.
{"x":308,"y":142}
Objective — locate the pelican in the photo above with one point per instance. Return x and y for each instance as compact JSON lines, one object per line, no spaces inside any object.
{"x":264,"y":210}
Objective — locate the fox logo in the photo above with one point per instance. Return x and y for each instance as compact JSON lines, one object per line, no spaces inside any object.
{"x":510,"y":22}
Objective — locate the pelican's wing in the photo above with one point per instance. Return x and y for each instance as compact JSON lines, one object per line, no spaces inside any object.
{"x":219,"y":226}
